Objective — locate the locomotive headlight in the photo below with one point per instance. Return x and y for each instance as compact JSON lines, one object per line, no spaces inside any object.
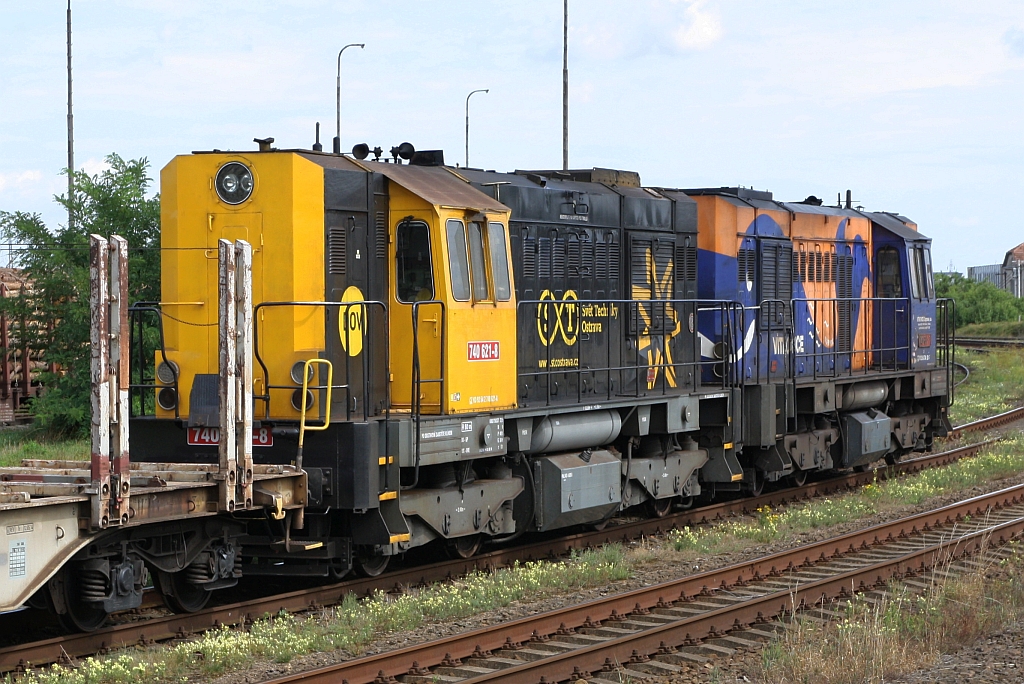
{"x":234,"y":183}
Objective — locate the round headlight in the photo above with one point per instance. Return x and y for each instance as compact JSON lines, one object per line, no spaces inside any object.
{"x":234,"y":183}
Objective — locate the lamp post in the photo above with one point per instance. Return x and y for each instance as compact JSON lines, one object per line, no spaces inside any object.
{"x":484,"y":90}
{"x":337,"y":137}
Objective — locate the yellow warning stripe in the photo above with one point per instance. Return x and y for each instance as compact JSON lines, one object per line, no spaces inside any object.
{"x":385,"y":460}
{"x":400,"y":537}
{"x":387,"y":496}
{"x":728,"y":445}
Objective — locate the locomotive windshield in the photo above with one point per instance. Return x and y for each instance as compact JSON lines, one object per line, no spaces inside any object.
{"x":477,"y":261}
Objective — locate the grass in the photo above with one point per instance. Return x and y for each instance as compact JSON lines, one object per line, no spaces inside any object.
{"x":996,"y":385}
{"x":903,"y":632}
{"x":994,"y":329}
{"x":349,"y":627}
{"x":352,"y":625}
{"x":18,"y":444}
{"x":999,"y":461}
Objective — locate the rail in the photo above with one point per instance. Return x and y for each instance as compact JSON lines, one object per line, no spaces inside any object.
{"x":654,"y":325}
{"x":366,"y":310}
{"x":838,"y":339}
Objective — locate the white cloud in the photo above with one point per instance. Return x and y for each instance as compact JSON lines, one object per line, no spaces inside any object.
{"x":701,"y":29}
{"x":93,"y":166}
{"x":19,"y":179}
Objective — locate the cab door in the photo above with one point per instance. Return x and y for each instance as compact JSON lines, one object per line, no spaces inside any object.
{"x":922,"y":305}
{"x":415,"y":350}
{"x":891,"y":308}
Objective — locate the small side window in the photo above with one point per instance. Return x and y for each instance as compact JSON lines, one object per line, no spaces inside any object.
{"x":928,"y":285}
{"x":477,"y":261}
{"x":888,"y":282}
{"x":413,"y":272}
{"x":914,"y":260}
{"x":499,"y":261}
{"x":458,"y":260}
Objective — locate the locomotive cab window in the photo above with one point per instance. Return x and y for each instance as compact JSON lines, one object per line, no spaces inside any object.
{"x":499,"y":261}
{"x":478,"y":261}
{"x":458,"y":260}
{"x":414,"y":277}
{"x":889,"y":281}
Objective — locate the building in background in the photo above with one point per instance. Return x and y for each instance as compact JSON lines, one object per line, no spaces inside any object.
{"x":1008,"y":275}
{"x":1013,"y":271}
{"x":992,"y":273}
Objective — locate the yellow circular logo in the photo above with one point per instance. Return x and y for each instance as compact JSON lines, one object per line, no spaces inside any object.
{"x":352,"y":321}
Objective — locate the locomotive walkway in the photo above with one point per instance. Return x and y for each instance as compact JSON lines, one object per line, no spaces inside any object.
{"x":179,"y":626}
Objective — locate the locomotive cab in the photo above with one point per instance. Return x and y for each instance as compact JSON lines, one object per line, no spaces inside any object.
{"x":905,"y":315}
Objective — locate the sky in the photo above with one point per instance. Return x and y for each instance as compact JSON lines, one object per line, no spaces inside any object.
{"x":914,"y":105}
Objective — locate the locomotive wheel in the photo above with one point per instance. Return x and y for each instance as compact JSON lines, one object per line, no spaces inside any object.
{"x":659,"y":508}
{"x":757,"y":486}
{"x":80,"y":616}
{"x":338,"y":570}
{"x":371,"y":566}
{"x":798,"y":478}
{"x":180,"y":595}
{"x":465,"y":547}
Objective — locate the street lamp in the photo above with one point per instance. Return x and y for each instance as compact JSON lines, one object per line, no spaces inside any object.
{"x":485,"y":90}
{"x":337,"y":138}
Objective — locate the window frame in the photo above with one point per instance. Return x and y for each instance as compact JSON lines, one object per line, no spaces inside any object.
{"x":413,"y":223}
{"x":487,"y":295}
{"x":449,"y":225}
{"x":493,"y":259}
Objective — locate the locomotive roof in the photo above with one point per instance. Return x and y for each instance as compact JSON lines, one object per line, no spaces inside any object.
{"x":436,"y":184}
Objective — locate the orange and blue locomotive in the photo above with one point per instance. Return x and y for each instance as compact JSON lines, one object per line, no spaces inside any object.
{"x":493,"y":353}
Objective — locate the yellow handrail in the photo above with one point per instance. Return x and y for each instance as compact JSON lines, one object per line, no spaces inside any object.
{"x":327,"y":404}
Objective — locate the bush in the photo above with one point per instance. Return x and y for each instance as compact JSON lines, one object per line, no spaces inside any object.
{"x":55,"y":310}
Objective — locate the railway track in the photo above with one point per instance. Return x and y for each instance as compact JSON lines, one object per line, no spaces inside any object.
{"x":180,"y":626}
{"x":988,"y":343}
{"x":655,"y":630}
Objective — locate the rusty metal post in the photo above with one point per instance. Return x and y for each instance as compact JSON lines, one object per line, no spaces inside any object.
{"x":227,"y":386}
{"x":244,"y":372}
{"x":119,"y":379}
{"x":100,"y":378}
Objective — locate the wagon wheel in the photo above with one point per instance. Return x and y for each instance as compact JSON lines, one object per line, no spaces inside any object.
{"x":179,"y":594}
{"x":79,"y":615}
{"x":371,"y":566}
{"x":756,"y":488}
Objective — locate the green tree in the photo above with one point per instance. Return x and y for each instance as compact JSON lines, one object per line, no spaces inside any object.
{"x":56,"y":262}
{"x":978,"y":302}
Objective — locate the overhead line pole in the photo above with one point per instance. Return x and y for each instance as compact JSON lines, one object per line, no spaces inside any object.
{"x":71,"y":133}
{"x":565,"y":85}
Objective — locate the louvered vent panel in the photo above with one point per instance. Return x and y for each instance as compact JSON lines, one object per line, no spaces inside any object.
{"x":639,"y":273}
{"x":613,"y":260}
{"x":574,"y":257}
{"x":601,"y":260}
{"x":382,"y":235}
{"x":558,"y":258}
{"x":529,"y":258}
{"x":336,"y":236}
{"x":686,"y":262}
{"x":544,"y":258}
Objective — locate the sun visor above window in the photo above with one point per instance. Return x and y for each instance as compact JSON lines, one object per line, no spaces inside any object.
{"x":895,"y":226}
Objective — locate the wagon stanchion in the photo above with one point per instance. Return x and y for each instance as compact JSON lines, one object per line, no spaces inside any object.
{"x":109,"y":380}
{"x":235,"y":377}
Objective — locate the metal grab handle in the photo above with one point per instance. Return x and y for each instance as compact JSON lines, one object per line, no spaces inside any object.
{"x":327,"y":405}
